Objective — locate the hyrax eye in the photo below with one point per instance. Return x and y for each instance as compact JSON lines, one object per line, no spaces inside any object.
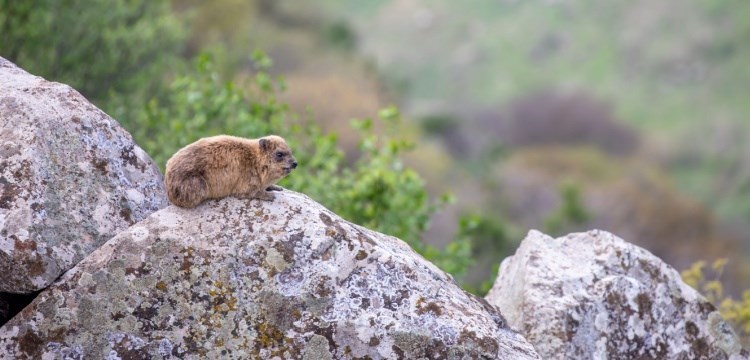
{"x":279,"y":154}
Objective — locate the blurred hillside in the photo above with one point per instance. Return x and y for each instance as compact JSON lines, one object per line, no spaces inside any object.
{"x":655,"y":87}
{"x":674,"y":70}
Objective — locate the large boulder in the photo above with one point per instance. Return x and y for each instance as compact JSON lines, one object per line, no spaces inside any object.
{"x":253,"y":279}
{"x":594,"y":296}
{"x":70,"y":179}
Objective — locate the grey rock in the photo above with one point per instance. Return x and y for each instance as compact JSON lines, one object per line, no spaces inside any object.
{"x":70,"y":179}
{"x":241,"y":279}
{"x":594,"y":296}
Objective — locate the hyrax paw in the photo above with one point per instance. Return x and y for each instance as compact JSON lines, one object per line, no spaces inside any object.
{"x":274,"y":188}
{"x":267,"y":196}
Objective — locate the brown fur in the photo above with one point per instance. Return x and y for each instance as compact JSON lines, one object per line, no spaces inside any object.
{"x":221,"y":166}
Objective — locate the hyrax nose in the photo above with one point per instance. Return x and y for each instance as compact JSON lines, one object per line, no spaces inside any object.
{"x":294,"y":165}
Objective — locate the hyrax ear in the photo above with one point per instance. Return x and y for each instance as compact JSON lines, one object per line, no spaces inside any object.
{"x":265,"y":144}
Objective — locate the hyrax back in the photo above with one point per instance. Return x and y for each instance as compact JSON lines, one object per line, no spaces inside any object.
{"x":220,"y":166}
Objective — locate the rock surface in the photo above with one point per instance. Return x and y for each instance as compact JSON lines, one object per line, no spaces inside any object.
{"x":70,"y":179}
{"x":594,"y":296}
{"x":252,"y":279}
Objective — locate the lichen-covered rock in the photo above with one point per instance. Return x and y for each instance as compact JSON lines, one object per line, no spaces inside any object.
{"x":70,"y":179}
{"x":235,"y":278}
{"x":594,"y":296}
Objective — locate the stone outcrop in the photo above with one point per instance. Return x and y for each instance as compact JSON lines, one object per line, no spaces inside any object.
{"x":70,"y":179}
{"x":594,"y":296}
{"x":253,"y":279}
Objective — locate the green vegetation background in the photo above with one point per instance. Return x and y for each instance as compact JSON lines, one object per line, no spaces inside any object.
{"x":127,"y":57}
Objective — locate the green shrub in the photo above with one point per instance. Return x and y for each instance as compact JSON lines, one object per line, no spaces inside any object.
{"x":377,"y":191}
{"x":113,"y":52}
{"x":124,"y":56}
{"x":571,"y":212}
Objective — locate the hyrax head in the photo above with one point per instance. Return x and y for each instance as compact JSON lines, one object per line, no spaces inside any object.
{"x":278,"y":153}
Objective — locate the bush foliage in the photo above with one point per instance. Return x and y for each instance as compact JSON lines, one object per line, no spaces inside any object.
{"x":126,"y":58}
{"x":114,"y":53}
{"x":735,"y":311}
{"x":377,"y":191}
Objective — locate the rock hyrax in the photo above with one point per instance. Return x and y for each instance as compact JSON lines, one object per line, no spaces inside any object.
{"x":220,"y":166}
